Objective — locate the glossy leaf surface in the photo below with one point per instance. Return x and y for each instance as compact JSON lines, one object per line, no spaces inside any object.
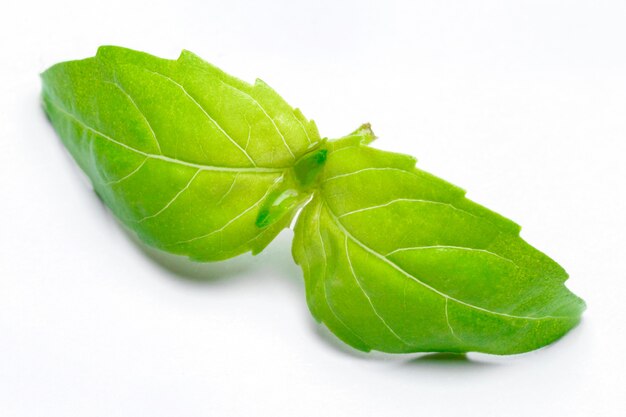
{"x":397,"y":260}
{"x":184,"y":154}
{"x":201,"y":164}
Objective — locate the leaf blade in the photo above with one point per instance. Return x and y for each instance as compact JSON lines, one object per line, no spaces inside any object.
{"x":178,"y":159}
{"x":418,"y":267}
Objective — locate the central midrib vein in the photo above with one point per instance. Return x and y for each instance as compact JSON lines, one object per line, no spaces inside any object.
{"x":162,"y":157}
{"x":343,"y":229}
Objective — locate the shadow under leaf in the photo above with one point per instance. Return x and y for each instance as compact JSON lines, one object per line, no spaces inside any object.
{"x":448,"y":360}
{"x":198,"y":272}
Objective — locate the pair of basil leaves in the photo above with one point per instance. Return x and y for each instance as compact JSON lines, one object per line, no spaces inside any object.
{"x":201,"y":164}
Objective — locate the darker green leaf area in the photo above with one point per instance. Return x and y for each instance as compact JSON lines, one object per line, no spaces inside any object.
{"x":307,"y":168}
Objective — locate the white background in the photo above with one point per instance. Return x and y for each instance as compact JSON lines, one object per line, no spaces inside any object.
{"x":523,"y":103}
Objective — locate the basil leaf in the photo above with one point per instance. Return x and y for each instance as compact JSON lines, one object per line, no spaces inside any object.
{"x":398,"y":260}
{"x":182,"y":153}
{"x":201,"y":164}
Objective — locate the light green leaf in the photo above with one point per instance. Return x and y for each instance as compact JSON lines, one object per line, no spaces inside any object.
{"x":201,"y":164}
{"x":183,"y":154}
{"x":397,"y":260}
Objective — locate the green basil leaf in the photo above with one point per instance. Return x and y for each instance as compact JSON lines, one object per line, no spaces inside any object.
{"x":182,"y":153}
{"x":398,"y":260}
{"x":201,"y":164}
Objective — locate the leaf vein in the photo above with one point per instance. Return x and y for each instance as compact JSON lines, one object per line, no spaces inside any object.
{"x":369,"y":299}
{"x":407,"y":200}
{"x":308,"y":138}
{"x":172,"y":200}
{"x":208,"y":116}
{"x":163,"y":157}
{"x":231,"y":221}
{"x":282,"y":137}
{"x":340,"y":225}
{"x":128,"y":96}
{"x":448,"y":321}
{"x":330,"y":307}
{"x":232,"y":184}
{"x":451,"y":247}
{"x":348,"y":174}
{"x":127,"y":176}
